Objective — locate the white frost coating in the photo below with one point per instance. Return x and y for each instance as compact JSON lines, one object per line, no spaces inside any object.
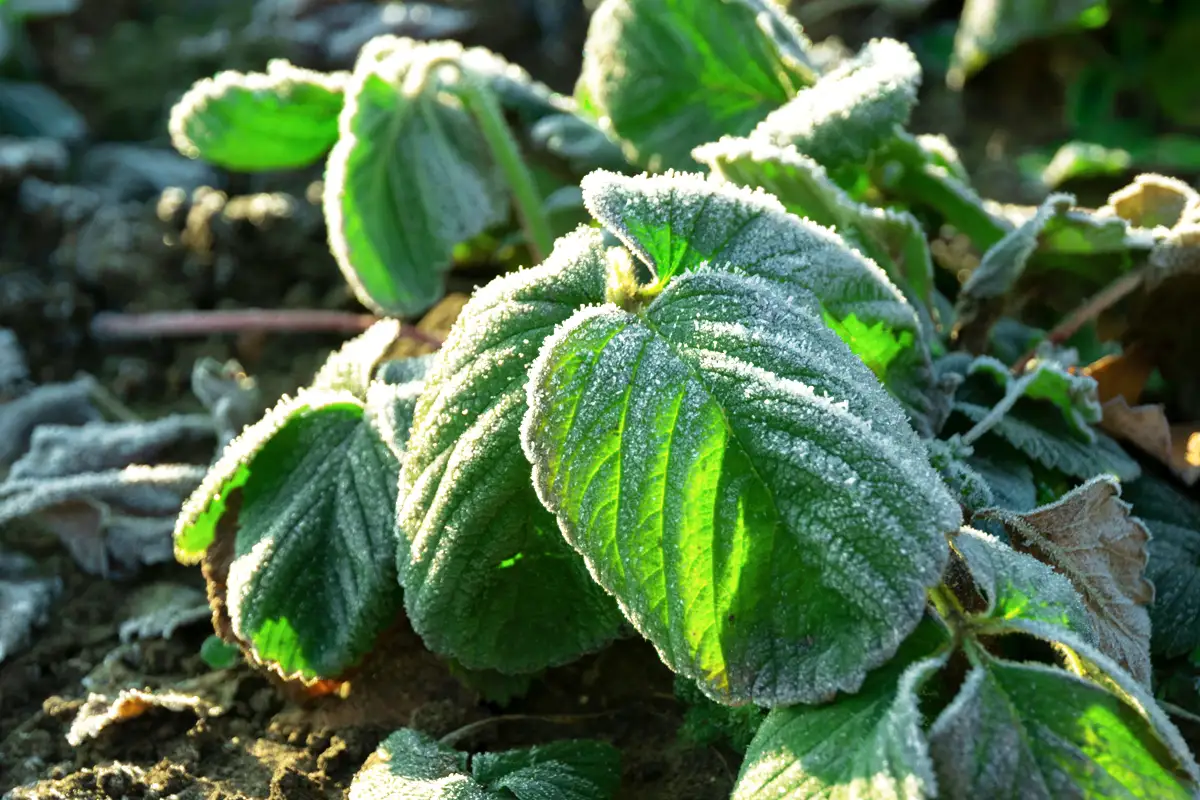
{"x":279,"y":80}
{"x":745,"y":229}
{"x":722,"y":377}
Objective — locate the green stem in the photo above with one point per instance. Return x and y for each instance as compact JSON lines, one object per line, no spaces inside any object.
{"x":1016,"y":390}
{"x":480,"y":102}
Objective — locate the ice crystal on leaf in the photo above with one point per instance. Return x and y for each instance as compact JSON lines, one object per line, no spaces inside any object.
{"x":735,"y":477}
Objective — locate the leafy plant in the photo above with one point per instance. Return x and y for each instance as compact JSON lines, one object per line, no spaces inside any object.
{"x":708,"y":418}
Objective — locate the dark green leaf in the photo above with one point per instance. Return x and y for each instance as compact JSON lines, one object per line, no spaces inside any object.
{"x":868,"y":745}
{"x":724,"y":448}
{"x":488,"y":578}
{"x":1073,"y":394}
{"x":284,"y":118}
{"x":663,"y":76}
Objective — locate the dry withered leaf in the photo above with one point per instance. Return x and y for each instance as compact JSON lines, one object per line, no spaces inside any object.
{"x":1151,"y":201}
{"x":208,"y":695}
{"x":1146,"y":427}
{"x":1089,"y":536}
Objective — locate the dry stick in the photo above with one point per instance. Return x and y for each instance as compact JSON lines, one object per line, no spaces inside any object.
{"x":109,"y":326}
{"x":1093,"y":307}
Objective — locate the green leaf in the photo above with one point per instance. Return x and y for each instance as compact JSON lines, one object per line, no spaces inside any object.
{"x":869,"y":745}
{"x":285,"y":118}
{"x":352,"y":366}
{"x":1033,"y":731}
{"x":411,"y":175}
{"x":1074,"y":395}
{"x":488,"y":578}
{"x":674,"y":223}
{"x":1017,"y":585}
{"x":663,"y":76}
{"x":724,"y":449}
{"x":893,"y":239}
{"x":410,"y":764}
{"x":991,"y":28}
{"x":313,"y":579}
{"x":1007,"y":474}
{"x":1075,"y":160}
{"x":851,"y":110}
{"x":1044,"y":436}
{"x":949,"y":459}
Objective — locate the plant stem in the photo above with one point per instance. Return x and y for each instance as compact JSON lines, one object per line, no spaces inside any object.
{"x":110,"y":326}
{"x":1091,"y":308}
{"x":482,"y":104}
{"x":1016,"y":389}
{"x":455,"y":736}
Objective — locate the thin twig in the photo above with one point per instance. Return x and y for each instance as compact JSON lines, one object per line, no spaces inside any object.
{"x":1182,"y":713}
{"x":1093,"y":307}
{"x":455,"y":736}
{"x":111,"y":326}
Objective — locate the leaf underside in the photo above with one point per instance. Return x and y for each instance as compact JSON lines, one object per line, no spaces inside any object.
{"x":725,"y":449}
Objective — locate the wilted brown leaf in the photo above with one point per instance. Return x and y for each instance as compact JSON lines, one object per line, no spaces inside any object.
{"x":1089,"y":536}
{"x":1153,"y":200}
{"x":1147,"y":428}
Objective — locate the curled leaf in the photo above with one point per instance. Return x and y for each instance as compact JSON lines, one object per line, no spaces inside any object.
{"x":1044,"y":379}
{"x":1090,"y":537}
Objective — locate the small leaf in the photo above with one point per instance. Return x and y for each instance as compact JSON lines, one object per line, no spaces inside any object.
{"x":868,"y":745}
{"x":1075,"y":395}
{"x":723,"y":448}
{"x":410,"y":764}
{"x":411,"y":176}
{"x":1041,"y":434}
{"x":663,"y":76}
{"x":313,"y":579}
{"x":1017,"y":585}
{"x":352,"y":366}
{"x":488,"y":578}
{"x":851,"y":110}
{"x":284,"y":118}
{"x":980,"y":299}
{"x":1090,"y":537}
{"x":991,"y":28}
{"x":1036,"y":732}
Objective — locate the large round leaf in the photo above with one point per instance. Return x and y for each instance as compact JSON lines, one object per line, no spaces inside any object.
{"x":741,"y":483}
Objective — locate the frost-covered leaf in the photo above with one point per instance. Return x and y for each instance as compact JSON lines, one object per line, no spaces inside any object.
{"x":893,"y":239}
{"x":313,"y":576}
{"x":53,"y":403}
{"x":981,"y":297}
{"x":26,"y":597}
{"x":1174,"y":566}
{"x":14,"y":372}
{"x":1007,"y":474}
{"x":112,"y":521}
{"x":674,"y":223}
{"x":1147,"y":428}
{"x":284,"y":118}
{"x":578,"y":141}
{"x":1017,"y":585}
{"x":851,"y":110}
{"x":724,"y":448}
{"x":1035,"y":732}
{"x":157,"y":610}
{"x":230,"y":395}
{"x":949,"y":457}
{"x":1090,"y":537}
{"x":991,"y":28}
{"x":411,"y":176}
{"x":663,"y":76}
{"x":488,"y":578}
{"x":411,"y":764}
{"x":1075,"y":395}
{"x":869,"y":745}
{"x":352,"y":366}
{"x":1043,"y":435}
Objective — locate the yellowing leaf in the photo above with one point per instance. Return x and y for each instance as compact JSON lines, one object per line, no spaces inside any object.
{"x":1090,"y":537}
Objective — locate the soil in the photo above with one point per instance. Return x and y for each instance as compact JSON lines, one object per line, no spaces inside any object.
{"x":270,"y":740}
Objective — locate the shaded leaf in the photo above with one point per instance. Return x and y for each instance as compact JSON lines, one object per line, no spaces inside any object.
{"x":1017,"y":585}
{"x":26,"y":597}
{"x":991,"y":28}
{"x":488,"y":578}
{"x":851,"y":110}
{"x":1044,"y":379}
{"x":1007,"y":474}
{"x":1038,"y":732}
{"x":867,"y":745}
{"x":411,"y":175}
{"x":284,"y":118}
{"x":663,"y":76}
{"x":724,"y":444}
{"x":411,"y":764}
{"x":1042,"y":435}
{"x":1090,"y":537}
{"x":949,"y":457}
{"x":52,"y":403}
